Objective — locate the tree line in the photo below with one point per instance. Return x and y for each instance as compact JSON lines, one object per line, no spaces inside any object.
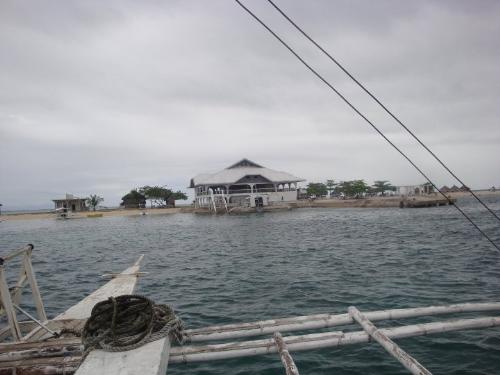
{"x":158,"y":196}
{"x":348,"y":188}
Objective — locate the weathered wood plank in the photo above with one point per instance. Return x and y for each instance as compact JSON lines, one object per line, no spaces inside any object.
{"x":48,"y":356}
{"x":115,"y":287}
{"x":39,"y":365}
{"x":33,"y":345}
{"x":150,"y":359}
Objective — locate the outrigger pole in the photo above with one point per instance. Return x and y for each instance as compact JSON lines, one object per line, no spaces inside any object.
{"x":212,"y":352}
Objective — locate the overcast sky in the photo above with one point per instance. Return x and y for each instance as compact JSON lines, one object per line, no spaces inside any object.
{"x":101,"y":97}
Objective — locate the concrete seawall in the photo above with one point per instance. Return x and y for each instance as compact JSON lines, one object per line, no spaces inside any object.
{"x":376,"y":202}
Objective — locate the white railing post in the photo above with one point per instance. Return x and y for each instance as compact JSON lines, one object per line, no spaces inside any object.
{"x":213,"y":201}
{"x":390,"y":346}
{"x":224,"y":200}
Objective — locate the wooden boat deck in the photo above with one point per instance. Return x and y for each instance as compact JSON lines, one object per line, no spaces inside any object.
{"x":63,"y":355}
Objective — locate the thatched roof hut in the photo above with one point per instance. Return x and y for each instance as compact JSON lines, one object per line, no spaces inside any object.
{"x":444,"y":189}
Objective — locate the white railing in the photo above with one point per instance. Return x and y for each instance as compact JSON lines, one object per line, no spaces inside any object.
{"x":244,"y":191}
{"x":240,"y":191}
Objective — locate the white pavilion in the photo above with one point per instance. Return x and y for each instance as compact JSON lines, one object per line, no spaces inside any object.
{"x":246,"y":184}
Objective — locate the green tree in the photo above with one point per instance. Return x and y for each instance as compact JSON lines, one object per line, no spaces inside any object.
{"x":381,"y":186}
{"x":152,"y":193}
{"x":317,"y":188}
{"x":179,"y":196}
{"x":360,"y":187}
{"x":161,"y":196}
{"x":352,"y":188}
{"x":330,"y":186}
{"x":93,"y":201}
{"x":345,"y":187}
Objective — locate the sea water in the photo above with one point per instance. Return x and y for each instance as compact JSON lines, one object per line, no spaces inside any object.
{"x":228,"y":269}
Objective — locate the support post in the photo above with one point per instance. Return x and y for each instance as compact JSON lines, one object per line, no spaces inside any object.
{"x":17,"y":293}
{"x":224,"y":200}
{"x":286,"y":358}
{"x":30,"y":274}
{"x":213,"y":200}
{"x":8,"y":307}
{"x":390,"y":346}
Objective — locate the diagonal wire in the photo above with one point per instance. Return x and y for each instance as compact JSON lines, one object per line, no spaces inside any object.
{"x":384,"y":107}
{"x":355,"y":109}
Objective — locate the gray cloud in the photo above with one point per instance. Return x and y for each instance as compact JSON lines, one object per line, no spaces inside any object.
{"x":102,"y":97}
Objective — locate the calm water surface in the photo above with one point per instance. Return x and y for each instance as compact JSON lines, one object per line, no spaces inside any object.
{"x":217,"y":270}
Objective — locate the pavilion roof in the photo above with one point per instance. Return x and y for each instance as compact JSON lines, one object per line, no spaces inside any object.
{"x":239,"y":170}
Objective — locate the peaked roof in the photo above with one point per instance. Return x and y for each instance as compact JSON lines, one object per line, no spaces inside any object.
{"x":245,"y":163}
{"x":239,"y":170}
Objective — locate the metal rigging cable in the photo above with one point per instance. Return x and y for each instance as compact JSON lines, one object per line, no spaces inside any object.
{"x":383,"y":106}
{"x":355,"y":109}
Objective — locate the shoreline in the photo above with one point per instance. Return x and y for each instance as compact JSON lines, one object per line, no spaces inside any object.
{"x":372,"y":202}
{"x":104,"y":213}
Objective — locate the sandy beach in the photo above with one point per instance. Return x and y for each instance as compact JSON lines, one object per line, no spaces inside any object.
{"x":372,"y":202}
{"x":88,"y":214}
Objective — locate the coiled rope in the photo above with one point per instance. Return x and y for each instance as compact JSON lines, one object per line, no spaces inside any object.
{"x":127,"y":322}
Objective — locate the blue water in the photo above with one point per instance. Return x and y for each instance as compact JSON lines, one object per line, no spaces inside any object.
{"x":227,"y":269}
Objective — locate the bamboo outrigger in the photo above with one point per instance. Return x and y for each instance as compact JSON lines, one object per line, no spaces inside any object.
{"x":35,"y":351}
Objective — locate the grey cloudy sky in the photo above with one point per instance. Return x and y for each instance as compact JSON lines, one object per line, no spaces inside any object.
{"x":101,"y":97}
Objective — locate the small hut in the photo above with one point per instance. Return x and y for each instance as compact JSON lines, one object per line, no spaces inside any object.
{"x":134,"y":199}
{"x":72,"y":203}
{"x":445,"y":189}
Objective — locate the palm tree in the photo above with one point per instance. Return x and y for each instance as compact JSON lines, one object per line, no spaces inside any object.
{"x":381,"y":186}
{"x":93,"y":201}
{"x":330,"y":186}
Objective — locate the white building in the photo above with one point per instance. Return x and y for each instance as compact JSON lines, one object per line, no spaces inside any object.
{"x":411,"y":190}
{"x":244,"y":184}
{"x":72,"y":203}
